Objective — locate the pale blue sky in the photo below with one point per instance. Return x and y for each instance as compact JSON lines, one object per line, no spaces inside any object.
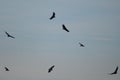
{"x":40,"y":43}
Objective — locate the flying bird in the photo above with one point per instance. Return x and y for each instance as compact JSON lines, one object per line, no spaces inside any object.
{"x":6,"y":69}
{"x":64,"y":28}
{"x":115,"y":72}
{"x":81,"y":45}
{"x":53,"y":16}
{"x":8,"y":35}
{"x":51,"y":68}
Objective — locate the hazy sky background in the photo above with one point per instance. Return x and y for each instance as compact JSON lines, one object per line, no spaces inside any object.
{"x":40,"y":43}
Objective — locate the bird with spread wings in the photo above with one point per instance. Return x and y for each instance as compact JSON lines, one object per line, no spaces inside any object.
{"x":81,"y":45}
{"x":51,"y":68}
{"x":64,"y":28}
{"x":8,"y":35}
{"x":6,"y":69}
{"x":53,"y":16}
{"x":115,"y":72}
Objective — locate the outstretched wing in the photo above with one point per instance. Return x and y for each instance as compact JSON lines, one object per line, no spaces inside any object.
{"x":6,"y":33}
{"x":64,"y":28}
{"x":11,"y":36}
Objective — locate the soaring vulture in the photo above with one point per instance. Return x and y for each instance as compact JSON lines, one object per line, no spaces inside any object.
{"x":8,"y":35}
{"x":81,"y":45}
{"x":53,"y":16}
{"x":115,"y":72}
{"x":6,"y":69}
{"x":64,"y":28}
{"x":51,"y":68}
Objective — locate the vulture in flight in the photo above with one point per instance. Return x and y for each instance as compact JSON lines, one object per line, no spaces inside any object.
{"x":51,"y":68}
{"x":8,"y":35}
{"x":115,"y":72}
{"x":53,"y":16}
{"x":64,"y":28}
{"x":81,"y":45}
{"x":6,"y":69}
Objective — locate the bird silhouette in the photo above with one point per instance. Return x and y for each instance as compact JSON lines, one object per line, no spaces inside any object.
{"x":53,"y":16}
{"x":115,"y":72}
{"x":64,"y":28}
{"x":6,"y":69}
{"x":81,"y":45}
{"x":8,"y":35}
{"x":51,"y":68}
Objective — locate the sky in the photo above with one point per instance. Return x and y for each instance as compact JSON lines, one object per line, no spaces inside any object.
{"x":40,"y":43}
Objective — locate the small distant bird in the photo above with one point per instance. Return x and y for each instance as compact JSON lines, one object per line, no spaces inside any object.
{"x":6,"y":69}
{"x":51,"y":68}
{"x":64,"y":28}
{"x":115,"y":72}
{"x":81,"y":45}
{"x":8,"y":35}
{"x":53,"y":16}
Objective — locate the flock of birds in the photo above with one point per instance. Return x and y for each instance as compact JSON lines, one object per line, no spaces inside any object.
{"x":51,"y":69}
{"x":64,"y":28}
